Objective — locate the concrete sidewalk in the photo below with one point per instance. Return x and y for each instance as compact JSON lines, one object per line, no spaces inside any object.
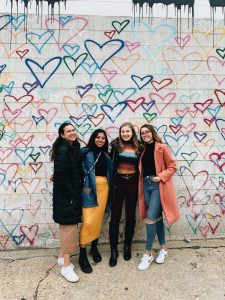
{"x":193,"y":270}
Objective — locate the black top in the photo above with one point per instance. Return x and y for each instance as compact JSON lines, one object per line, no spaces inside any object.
{"x":148,"y":161}
{"x":101,"y":165}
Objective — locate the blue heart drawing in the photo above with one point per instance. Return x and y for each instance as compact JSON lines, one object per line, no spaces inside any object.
{"x":64,"y":20}
{"x":161,"y":130}
{"x":34,"y":67}
{"x":113,"y":112}
{"x":78,"y":121}
{"x":18,"y":21}
{"x":71,"y":50}
{"x":24,"y":154}
{"x":90,"y":109}
{"x":4,"y":21}
{"x":176,"y":121}
{"x":8,"y":88}
{"x":176,"y":144}
{"x":18,"y":239}
{"x":57,"y":124}
{"x":89,"y":68}
{"x":97,"y":50}
{"x":38,"y":41}
{"x":153,"y":31}
{"x":214,"y":111}
{"x":102,"y":88}
{"x":37,"y":120}
{"x":2,"y":68}
{"x":15,"y":214}
{"x":141,"y":82}
{"x":122,"y":96}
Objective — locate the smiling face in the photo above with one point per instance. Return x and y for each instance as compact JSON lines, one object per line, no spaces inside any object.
{"x":100,"y":140}
{"x":126,"y":133}
{"x":69,"y":134}
{"x":146,"y":135}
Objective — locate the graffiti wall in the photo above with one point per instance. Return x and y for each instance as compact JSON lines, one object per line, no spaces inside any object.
{"x":99,"y":72}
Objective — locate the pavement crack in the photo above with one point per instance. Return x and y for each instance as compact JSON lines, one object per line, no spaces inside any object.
{"x":41,"y":280}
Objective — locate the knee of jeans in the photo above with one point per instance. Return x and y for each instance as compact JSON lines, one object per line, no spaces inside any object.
{"x":149,"y":221}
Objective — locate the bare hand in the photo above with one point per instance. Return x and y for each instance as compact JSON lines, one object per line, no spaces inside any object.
{"x":156,"y":179}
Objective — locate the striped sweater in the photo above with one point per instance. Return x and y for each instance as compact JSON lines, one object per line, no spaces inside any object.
{"x":127,"y":160}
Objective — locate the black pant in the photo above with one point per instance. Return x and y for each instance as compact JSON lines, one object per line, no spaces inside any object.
{"x":125,"y":189}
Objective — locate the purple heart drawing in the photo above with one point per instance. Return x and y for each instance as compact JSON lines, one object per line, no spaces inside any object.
{"x":200,"y":136}
{"x":29,"y":87}
{"x":85,"y":89}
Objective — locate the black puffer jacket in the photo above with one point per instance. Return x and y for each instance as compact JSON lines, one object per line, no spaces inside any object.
{"x":67,"y":184}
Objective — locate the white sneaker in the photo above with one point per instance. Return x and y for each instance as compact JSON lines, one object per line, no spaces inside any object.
{"x":145,"y":262}
{"x":161,"y":256}
{"x":69,"y":274}
{"x":60,"y":261}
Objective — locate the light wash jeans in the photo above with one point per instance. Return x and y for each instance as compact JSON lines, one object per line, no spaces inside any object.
{"x":153,"y":202}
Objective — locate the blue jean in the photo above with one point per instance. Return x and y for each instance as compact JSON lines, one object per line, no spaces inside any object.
{"x":154,"y":213}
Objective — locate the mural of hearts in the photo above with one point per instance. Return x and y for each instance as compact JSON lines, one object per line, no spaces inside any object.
{"x":98,"y":72}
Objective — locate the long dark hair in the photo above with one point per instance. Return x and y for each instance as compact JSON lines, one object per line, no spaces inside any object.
{"x":59,"y":140}
{"x":155,"y":136}
{"x":91,"y":143}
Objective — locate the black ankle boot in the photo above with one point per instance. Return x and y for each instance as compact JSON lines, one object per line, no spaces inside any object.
{"x":83,"y":261}
{"x":127,"y":252}
{"x":114,"y":235}
{"x":113,"y":257}
{"x":94,"y":252}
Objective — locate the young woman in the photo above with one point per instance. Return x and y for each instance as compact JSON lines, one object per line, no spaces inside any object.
{"x":156,"y":192}
{"x":97,"y":169}
{"x":66,"y":195}
{"x":124,"y":153}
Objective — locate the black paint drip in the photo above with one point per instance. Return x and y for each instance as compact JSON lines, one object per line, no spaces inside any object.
{"x":214,"y":5}
{"x":178,"y":4}
{"x":51,"y":5}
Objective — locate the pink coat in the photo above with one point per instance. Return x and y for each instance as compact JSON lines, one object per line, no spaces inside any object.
{"x":165,"y":169}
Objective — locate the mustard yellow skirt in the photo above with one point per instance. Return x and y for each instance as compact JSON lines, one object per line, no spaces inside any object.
{"x":93,"y":217}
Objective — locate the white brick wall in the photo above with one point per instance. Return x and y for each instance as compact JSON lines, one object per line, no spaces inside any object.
{"x":188,"y":89}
